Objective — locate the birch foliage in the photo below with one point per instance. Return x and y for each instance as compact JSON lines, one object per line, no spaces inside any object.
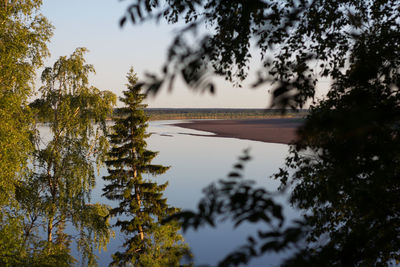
{"x":57,"y":193}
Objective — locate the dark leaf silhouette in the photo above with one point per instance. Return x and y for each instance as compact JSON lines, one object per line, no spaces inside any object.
{"x":343,"y":171}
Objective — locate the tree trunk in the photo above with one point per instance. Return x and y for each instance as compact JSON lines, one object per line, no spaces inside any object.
{"x":139,"y":202}
{"x":50,"y":230}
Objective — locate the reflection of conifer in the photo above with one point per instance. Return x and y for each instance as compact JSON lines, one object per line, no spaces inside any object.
{"x":141,"y":203}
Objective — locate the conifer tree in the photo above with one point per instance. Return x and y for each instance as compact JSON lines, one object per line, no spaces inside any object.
{"x":141,"y":205}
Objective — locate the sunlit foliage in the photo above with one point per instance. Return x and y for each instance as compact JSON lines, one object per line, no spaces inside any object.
{"x":24,"y":34}
{"x":56,"y":193}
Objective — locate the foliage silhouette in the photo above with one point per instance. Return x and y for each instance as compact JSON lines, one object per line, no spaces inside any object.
{"x":141,"y":205}
{"x":346,"y":169}
{"x":343,"y":170}
{"x":299,"y":41}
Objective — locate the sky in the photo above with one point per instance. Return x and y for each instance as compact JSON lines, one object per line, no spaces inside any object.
{"x":94,"y":24}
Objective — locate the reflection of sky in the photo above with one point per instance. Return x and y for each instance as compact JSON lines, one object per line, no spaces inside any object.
{"x":196,"y":162}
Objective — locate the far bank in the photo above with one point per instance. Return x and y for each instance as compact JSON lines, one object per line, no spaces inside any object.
{"x":271,"y":130}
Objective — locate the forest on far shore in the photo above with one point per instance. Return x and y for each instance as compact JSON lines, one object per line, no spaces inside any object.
{"x":221,"y":113}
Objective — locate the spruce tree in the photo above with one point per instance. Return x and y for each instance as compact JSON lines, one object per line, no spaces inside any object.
{"x":141,"y":205}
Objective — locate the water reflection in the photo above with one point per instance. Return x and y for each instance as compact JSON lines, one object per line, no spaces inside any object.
{"x":140,"y":205}
{"x":195,"y":162}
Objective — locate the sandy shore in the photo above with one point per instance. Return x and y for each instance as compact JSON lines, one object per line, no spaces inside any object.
{"x":281,"y":131}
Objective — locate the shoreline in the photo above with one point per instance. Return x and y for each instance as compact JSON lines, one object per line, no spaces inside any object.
{"x":279,"y":130}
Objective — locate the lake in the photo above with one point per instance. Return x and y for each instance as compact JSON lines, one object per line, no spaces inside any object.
{"x":195,"y":162}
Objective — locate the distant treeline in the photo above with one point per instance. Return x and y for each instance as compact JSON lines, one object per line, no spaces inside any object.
{"x":219,"y":113}
{"x":215,"y":113}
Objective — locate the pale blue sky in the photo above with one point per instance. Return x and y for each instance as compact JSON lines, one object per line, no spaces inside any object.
{"x":94,"y":25}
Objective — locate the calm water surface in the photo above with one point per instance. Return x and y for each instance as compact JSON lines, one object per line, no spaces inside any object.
{"x":195,"y":162}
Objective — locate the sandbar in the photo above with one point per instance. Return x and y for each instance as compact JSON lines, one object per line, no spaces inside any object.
{"x":279,"y":130}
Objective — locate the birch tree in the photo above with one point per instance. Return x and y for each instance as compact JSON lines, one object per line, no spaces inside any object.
{"x":24,"y":34}
{"x":57,"y":192}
